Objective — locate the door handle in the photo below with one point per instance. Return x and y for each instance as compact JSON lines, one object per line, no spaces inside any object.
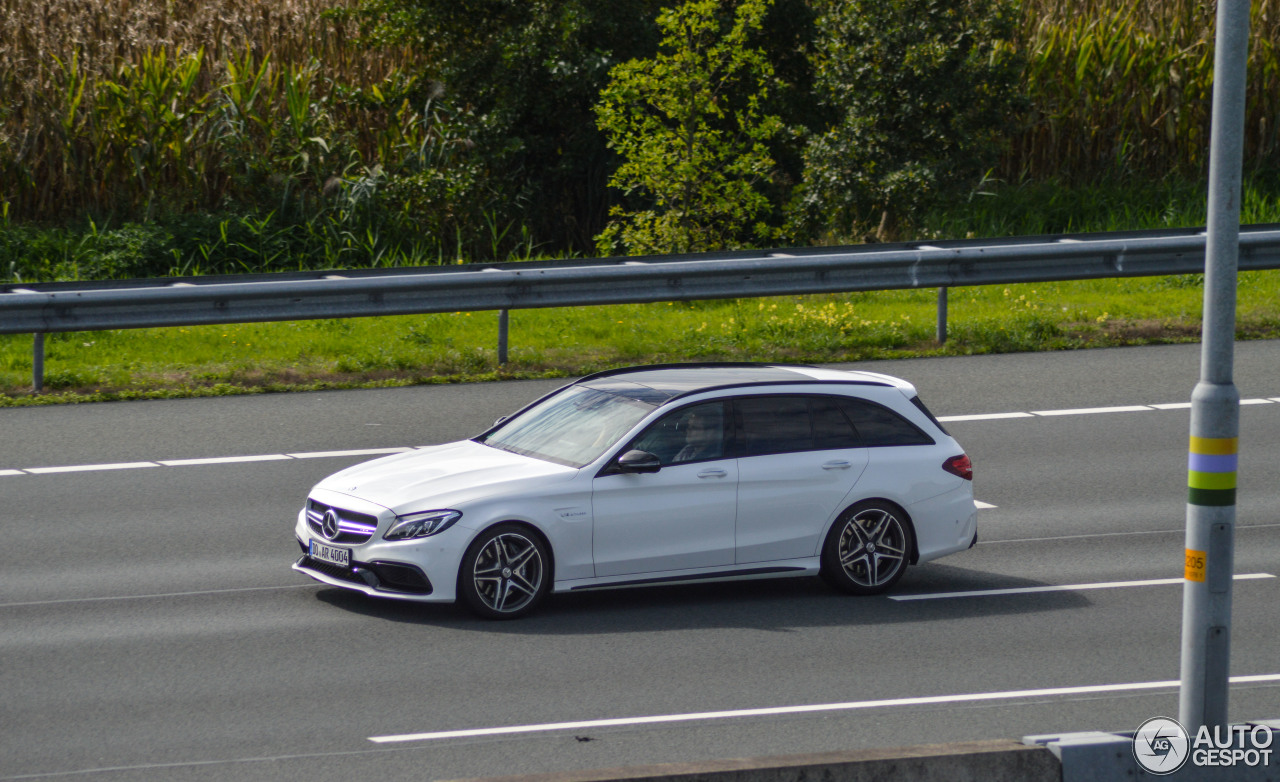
{"x":712,"y":474}
{"x":837,"y":465}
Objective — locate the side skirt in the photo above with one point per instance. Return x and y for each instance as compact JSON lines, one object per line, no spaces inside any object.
{"x":719,"y":575}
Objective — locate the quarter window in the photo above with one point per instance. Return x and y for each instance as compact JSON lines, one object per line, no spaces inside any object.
{"x":879,"y":426}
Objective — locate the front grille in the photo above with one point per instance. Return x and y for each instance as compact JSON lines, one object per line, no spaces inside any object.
{"x":382,"y":576}
{"x":332,"y":571}
{"x":353,"y":528}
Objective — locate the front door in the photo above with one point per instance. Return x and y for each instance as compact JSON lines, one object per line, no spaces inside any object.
{"x":681,"y":517}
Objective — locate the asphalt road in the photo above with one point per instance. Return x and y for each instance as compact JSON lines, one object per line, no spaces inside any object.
{"x":150,"y":627}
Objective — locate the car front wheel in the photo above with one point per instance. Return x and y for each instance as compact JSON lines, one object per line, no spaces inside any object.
{"x":868,"y":548}
{"x":504,"y":573}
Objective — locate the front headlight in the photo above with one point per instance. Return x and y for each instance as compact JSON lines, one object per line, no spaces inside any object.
{"x":420,"y":525}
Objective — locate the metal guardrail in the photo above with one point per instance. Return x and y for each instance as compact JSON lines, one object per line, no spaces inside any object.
{"x":93,"y":306}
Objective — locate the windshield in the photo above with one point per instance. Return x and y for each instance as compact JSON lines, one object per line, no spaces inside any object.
{"x":572,"y":428}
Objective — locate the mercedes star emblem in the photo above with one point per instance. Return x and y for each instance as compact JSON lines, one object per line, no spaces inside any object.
{"x":330,"y":526}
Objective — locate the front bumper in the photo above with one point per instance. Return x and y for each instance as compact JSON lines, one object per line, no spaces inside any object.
{"x":389,"y":579}
{"x":421,"y":571}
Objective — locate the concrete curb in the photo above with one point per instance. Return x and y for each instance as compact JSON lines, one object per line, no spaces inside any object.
{"x":976,"y":761}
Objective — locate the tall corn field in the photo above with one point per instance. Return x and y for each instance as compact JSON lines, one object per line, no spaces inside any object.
{"x":1123,"y":87}
{"x":129,"y":106}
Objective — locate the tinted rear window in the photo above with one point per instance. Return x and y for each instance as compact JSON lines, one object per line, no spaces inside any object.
{"x":831,"y":428}
{"x":880,"y":426}
{"x":774,"y":424}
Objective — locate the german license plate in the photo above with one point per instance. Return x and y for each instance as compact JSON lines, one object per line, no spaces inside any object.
{"x":326,"y":553}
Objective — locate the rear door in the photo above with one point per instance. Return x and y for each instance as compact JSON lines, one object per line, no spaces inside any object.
{"x":798,"y":460}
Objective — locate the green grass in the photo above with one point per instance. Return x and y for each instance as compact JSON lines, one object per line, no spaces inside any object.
{"x":406,"y":350}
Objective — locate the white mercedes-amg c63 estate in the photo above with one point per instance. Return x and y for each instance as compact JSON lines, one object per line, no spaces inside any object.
{"x":654,"y":475}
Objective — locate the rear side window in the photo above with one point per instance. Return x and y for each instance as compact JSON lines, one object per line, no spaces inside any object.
{"x":789,"y":424}
{"x":774,"y":424}
{"x":880,"y":426}
{"x":831,"y":428}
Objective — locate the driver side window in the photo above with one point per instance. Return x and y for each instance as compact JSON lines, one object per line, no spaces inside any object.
{"x":691,"y":434}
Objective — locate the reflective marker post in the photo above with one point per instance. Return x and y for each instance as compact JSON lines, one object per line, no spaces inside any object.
{"x":1215,"y":403}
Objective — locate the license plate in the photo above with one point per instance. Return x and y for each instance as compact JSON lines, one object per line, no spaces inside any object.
{"x":326,"y":553}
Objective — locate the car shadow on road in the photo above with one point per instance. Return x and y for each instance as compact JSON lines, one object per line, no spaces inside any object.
{"x":779,"y":605}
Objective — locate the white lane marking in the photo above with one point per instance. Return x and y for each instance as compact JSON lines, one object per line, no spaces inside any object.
{"x":1063,"y":588}
{"x":1093,"y":410}
{"x":807,"y":709}
{"x":266,"y":457}
{"x":984,"y":417}
{"x":1179,"y":531}
{"x":88,"y":467}
{"x":980,"y":504}
{"x":148,"y":597}
{"x":362,"y":452}
{"x":381,"y":451}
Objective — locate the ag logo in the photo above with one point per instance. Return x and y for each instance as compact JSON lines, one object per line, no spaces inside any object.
{"x":1161,"y":746}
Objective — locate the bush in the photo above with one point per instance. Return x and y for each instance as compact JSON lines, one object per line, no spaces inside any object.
{"x":925,"y":92}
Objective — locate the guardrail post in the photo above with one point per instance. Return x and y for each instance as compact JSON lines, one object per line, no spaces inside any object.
{"x":942,"y":316}
{"x":504,"y":324}
{"x":37,"y":362}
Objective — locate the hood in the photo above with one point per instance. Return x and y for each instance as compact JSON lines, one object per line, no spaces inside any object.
{"x":441,"y":476}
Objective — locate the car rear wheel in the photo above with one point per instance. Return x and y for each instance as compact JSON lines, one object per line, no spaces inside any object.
{"x":504,"y":573}
{"x":868,"y":548}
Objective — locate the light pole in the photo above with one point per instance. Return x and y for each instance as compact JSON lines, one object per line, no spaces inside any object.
{"x":1215,"y":403}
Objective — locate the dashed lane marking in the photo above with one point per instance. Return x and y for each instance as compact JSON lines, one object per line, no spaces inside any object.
{"x":1062,"y":588}
{"x":268,"y":457}
{"x":384,"y":451}
{"x":89,"y":467}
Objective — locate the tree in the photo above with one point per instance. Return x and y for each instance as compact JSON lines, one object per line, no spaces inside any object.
{"x":925,"y":92}
{"x":526,"y":74}
{"x":691,"y":133}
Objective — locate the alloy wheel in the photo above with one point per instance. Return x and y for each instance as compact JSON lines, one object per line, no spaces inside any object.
{"x":873,"y":547}
{"x":508,"y":572}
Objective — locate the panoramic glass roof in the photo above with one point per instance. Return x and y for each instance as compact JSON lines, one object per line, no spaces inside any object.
{"x":660,"y":384}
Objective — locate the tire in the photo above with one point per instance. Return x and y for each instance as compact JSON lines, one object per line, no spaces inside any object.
{"x":867,"y":549}
{"x":505,"y":572}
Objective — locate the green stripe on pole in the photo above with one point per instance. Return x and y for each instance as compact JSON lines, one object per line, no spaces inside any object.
{"x":1216,"y":498}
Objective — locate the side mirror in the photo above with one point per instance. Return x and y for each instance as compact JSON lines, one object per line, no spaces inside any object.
{"x":638,"y":461}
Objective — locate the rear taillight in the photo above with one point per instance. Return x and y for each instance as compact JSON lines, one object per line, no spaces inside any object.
{"x":959,"y":466}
